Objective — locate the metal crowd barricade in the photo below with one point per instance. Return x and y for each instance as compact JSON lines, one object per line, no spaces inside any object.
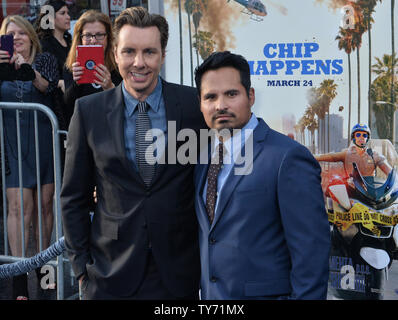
{"x":34,"y":107}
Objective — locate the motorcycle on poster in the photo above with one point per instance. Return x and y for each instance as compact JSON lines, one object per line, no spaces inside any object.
{"x":363,"y":212}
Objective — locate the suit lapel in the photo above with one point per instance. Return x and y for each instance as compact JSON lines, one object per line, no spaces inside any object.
{"x":259,"y":135}
{"x":115,"y":118}
{"x":200,"y":183}
{"x":173,"y":113}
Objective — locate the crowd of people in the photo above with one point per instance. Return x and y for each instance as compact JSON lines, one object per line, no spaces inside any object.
{"x":159,"y":231}
{"x":45,"y":58}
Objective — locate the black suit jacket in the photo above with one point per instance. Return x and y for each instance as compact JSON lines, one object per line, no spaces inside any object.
{"x":112,"y":250}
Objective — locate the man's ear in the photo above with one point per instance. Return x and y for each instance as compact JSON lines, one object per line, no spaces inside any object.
{"x":163,"y":56}
{"x":200,"y":105}
{"x":252,"y":96}
{"x":115,"y":53}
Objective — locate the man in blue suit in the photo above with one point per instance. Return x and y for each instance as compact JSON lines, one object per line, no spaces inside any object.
{"x":264,"y":232}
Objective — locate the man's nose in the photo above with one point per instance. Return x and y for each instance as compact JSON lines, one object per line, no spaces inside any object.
{"x":221,"y":104}
{"x":139,"y":61}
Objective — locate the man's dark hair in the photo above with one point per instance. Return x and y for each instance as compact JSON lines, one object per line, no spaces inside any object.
{"x":141,"y":18}
{"x":222,"y":59}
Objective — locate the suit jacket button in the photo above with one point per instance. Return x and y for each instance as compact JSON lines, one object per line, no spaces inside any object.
{"x":212,"y":241}
{"x":213,"y":279}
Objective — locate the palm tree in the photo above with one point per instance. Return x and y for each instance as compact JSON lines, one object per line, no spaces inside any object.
{"x":316,"y":101}
{"x":327,"y":92}
{"x":381,"y":91}
{"x":204,"y":43}
{"x":189,"y":6}
{"x":311,"y":124}
{"x":368,"y":9}
{"x":199,"y":6}
{"x":297,"y":131}
{"x":384,"y":67}
{"x":393,"y":61}
{"x":357,"y":33}
{"x":302,"y":125}
{"x":345,"y":42}
{"x":181,"y":51}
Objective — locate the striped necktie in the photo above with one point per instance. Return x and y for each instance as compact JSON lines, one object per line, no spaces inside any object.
{"x":212,"y":175}
{"x":142,"y":125}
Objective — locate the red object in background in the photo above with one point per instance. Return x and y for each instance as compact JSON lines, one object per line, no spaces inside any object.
{"x":89,"y":57}
{"x":20,"y":7}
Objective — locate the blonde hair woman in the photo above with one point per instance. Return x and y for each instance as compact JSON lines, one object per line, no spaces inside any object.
{"x":92,"y":28}
{"x":35,"y":84}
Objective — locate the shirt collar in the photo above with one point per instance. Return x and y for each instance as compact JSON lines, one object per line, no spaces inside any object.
{"x":235,"y":144}
{"x":153,"y":99}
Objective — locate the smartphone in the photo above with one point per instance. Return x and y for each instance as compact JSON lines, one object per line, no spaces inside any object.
{"x":89,"y":56}
{"x":7,"y":43}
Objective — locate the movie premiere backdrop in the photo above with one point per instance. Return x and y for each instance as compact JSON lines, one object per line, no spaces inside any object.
{"x":318,"y":68}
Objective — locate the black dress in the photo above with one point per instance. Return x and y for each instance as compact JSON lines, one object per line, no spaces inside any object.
{"x":73,"y":91}
{"x":25,"y":91}
{"x":50,"y":44}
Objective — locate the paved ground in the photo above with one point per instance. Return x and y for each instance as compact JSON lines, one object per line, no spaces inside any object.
{"x":35,"y":293}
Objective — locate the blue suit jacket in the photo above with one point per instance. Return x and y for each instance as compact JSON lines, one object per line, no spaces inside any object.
{"x":270,"y":237}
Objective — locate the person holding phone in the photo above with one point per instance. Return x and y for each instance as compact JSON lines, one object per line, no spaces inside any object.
{"x":43,"y":66}
{"x":92,"y":28}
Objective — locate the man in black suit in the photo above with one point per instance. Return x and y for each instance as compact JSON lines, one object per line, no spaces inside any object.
{"x":142,"y":242}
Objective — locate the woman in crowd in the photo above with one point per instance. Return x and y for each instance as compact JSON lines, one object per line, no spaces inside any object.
{"x":55,"y":38}
{"x":44,"y":80}
{"x":92,"y":28}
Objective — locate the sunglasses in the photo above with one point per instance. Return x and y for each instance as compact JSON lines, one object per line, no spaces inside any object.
{"x":358,"y":134}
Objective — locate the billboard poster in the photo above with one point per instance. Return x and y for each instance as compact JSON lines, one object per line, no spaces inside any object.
{"x":319,"y":68}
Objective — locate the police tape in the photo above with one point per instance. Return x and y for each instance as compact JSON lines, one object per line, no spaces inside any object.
{"x":359,"y":213}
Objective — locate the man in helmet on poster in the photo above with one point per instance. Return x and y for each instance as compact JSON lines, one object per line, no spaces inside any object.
{"x":359,"y":152}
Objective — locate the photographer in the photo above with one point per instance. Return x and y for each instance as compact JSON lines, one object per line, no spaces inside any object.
{"x":31,"y":77}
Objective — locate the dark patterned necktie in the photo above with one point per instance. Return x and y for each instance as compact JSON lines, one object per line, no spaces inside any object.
{"x":142,"y":125}
{"x":212,"y":175}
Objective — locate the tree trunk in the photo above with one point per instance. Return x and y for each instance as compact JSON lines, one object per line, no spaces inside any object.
{"x":197,"y":47}
{"x":328,"y":128}
{"x":324,"y":134}
{"x":181,"y":51}
{"x":190,"y":46}
{"x":359,"y":86}
{"x":349,"y":100}
{"x":313,"y":140}
{"x":370,"y":75}
{"x":392,"y":61}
